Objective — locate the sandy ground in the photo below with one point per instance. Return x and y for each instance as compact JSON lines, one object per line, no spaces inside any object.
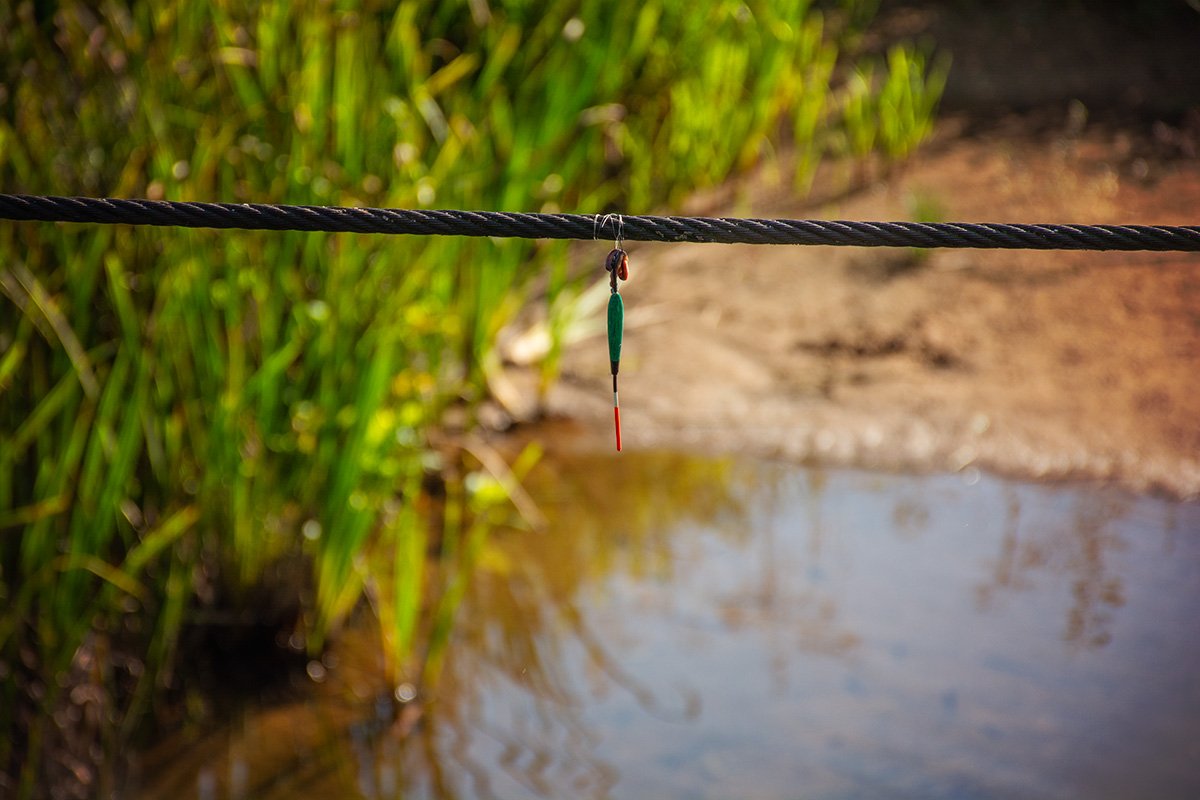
{"x":1041,"y":365}
{"x":1046,"y":365}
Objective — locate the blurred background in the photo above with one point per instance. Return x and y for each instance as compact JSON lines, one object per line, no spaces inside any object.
{"x":285,"y":510}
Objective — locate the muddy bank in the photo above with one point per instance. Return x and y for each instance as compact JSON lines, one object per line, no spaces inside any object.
{"x":1032,"y":364}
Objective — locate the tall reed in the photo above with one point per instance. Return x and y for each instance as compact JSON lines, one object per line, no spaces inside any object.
{"x":180,"y":409}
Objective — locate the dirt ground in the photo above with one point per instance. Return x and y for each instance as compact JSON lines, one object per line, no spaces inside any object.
{"x":1041,"y":365}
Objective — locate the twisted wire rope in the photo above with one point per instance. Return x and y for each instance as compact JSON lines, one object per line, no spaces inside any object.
{"x":839,"y":233}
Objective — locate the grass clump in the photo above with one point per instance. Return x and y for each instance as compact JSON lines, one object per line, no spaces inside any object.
{"x":179,"y":410}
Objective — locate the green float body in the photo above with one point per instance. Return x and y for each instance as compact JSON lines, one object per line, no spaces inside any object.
{"x":616,"y":323}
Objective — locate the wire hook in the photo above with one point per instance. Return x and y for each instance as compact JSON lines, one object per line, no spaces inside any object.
{"x":616,"y":220}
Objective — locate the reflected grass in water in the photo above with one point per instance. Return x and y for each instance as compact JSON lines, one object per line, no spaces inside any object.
{"x":696,"y":628}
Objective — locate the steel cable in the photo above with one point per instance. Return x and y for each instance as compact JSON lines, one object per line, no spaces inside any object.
{"x":839,"y":233}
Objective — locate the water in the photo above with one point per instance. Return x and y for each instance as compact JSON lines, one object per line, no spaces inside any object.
{"x":698,"y":628}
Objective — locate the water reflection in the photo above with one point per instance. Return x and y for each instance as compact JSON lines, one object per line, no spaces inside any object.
{"x":696,"y":628}
{"x":1081,"y":553}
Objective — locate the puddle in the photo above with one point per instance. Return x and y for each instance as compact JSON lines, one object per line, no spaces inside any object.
{"x":720,"y":628}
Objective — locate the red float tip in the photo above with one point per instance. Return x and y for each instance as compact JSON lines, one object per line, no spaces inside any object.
{"x":617,"y":420}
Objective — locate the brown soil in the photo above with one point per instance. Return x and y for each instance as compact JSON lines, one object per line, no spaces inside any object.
{"x":1033,"y":364}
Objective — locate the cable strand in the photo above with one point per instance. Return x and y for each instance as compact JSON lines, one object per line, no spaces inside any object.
{"x":837,"y":233}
